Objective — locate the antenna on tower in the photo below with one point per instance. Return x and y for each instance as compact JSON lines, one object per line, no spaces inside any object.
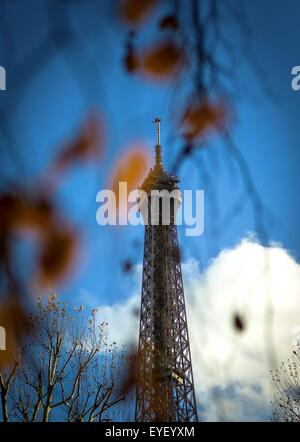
{"x":157,"y":123}
{"x":158,"y":153}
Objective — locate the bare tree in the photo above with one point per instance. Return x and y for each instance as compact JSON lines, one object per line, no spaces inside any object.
{"x":5,"y":384}
{"x":66,"y":372}
{"x":287,"y":383}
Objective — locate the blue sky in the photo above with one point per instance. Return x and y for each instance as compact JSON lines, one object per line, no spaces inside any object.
{"x":45,"y":110}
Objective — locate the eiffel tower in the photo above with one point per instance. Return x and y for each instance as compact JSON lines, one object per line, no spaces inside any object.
{"x":165,"y":387}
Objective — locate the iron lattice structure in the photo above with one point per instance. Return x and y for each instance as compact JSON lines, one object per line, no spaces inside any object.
{"x":165,"y":388}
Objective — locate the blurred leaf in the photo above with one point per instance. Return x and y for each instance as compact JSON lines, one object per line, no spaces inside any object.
{"x":127,"y":266}
{"x":163,"y":60}
{"x":169,"y":22}
{"x":9,"y":205}
{"x":201,"y":117}
{"x":135,"y":312}
{"x":57,"y":254}
{"x":131,"y":62}
{"x":17,"y":325}
{"x":55,"y":241}
{"x":131,"y":168}
{"x":130,"y":377}
{"x":88,"y":144}
{"x":133,"y":12}
{"x":37,"y":213}
{"x":187,"y":149}
{"x":18,"y":210}
{"x":238,"y":323}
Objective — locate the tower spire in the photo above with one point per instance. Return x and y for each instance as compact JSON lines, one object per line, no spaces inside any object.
{"x":158,"y":148}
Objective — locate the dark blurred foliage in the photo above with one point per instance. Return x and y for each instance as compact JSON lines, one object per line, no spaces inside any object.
{"x":134,"y":12}
{"x":32,"y":212}
{"x":238,"y":323}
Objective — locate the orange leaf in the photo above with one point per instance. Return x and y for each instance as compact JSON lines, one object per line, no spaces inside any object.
{"x":17,"y":326}
{"x":57,"y":254}
{"x":133,"y":12}
{"x":163,"y":61}
{"x":202,"y":117}
{"x":19,"y":210}
{"x":169,"y":22}
{"x":131,"y":168}
{"x":86,"y":145}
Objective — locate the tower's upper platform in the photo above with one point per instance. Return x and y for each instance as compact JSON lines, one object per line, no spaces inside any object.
{"x":158,"y":178}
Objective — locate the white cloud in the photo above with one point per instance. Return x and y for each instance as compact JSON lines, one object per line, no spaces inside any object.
{"x":123,"y":320}
{"x":231,"y":369}
{"x":89,"y":298}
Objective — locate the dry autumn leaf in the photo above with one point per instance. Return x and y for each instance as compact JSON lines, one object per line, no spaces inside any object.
{"x":57,"y":254}
{"x":130,"y":377}
{"x":201,"y":117}
{"x":133,"y":12}
{"x":14,"y":319}
{"x":9,"y":210}
{"x":131,"y":168}
{"x":18,"y":210}
{"x":87,"y":145}
{"x":131,"y":62}
{"x":169,"y":22}
{"x":238,"y":323}
{"x":127,"y":266}
{"x":162,"y":61}
{"x":37,"y":213}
